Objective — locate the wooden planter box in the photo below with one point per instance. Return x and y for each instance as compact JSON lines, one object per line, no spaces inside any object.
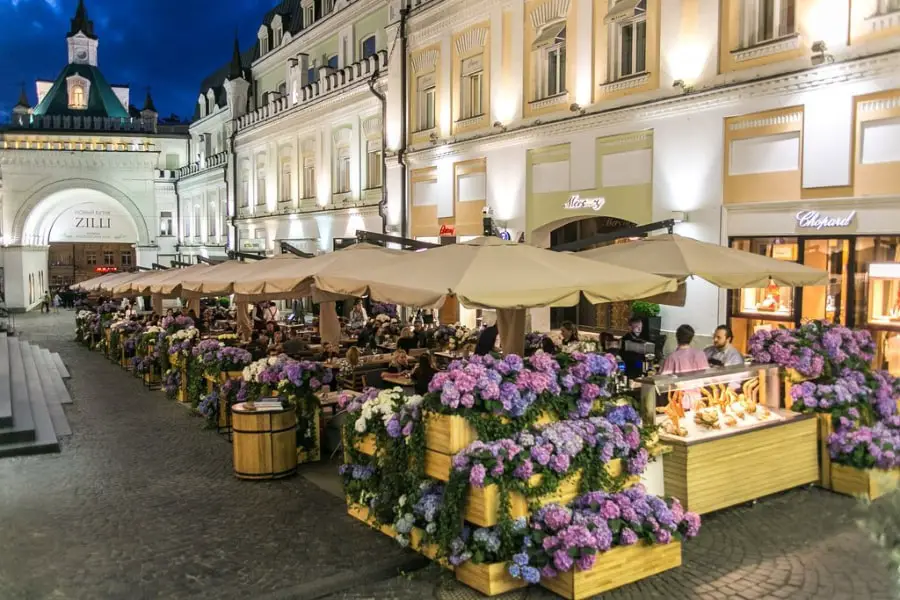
{"x":616,"y":567}
{"x":416,"y":536}
{"x":448,"y":434}
{"x":314,"y":454}
{"x":489,"y":579}
{"x":711,"y":474}
{"x":151,"y":378}
{"x":867,"y":483}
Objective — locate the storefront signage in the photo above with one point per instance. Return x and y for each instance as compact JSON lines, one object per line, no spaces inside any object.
{"x":106,"y":270}
{"x":253,"y":245}
{"x":812,"y":219}
{"x":448,"y":231}
{"x":576,"y":202}
{"x":93,"y":222}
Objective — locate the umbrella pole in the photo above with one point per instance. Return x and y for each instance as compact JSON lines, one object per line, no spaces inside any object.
{"x":511,"y":329}
{"x":329,"y":325}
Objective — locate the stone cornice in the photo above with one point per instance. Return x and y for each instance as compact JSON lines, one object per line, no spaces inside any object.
{"x":80,"y":160}
{"x":362,"y":210}
{"x":549,"y":130}
{"x":437,"y":18}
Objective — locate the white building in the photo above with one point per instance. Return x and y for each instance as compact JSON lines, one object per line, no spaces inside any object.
{"x":731,"y":115}
{"x":83,"y":166}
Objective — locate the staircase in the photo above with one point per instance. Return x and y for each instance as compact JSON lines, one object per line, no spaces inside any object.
{"x":32,"y":395}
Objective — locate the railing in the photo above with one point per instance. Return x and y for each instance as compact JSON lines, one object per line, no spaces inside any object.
{"x":327,"y":84}
{"x":76,"y":145}
{"x":210,"y":162}
{"x":82,"y":123}
{"x":166,"y":174}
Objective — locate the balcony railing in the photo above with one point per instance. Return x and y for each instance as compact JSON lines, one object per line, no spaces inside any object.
{"x":82,"y":123}
{"x":210,"y":162}
{"x":337,"y":80}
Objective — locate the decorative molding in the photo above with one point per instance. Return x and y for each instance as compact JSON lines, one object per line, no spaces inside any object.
{"x":308,"y":147}
{"x":881,"y":22}
{"x":342,"y":137}
{"x":551,"y":101}
{"x":471,"y":122}
{"x":471,"y":40}
{"x":785,"y":44}
{"x":794,"y":117}
{"x":372,"y":128}
{"x":428,"y":23}
{"x":424,"y":61}
{"x":557,"y":127}
{"x":80,"y":160}
{"x":551,"y":10}
{"x":622,"y":140}
{"x":891,"y":103}
{"x":625,"y":84}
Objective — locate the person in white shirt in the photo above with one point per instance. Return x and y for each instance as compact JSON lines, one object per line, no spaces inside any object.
{"x":722,"y":353}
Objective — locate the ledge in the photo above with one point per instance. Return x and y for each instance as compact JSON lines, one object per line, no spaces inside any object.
{"x":776,"y":46}
{"x":472,"y":121}
{"x":551,"y":101}
{"x":625,"y":83}
{"x":880,"y":22}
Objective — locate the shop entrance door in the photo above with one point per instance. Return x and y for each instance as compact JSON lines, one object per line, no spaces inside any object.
{"x":827,"y":302}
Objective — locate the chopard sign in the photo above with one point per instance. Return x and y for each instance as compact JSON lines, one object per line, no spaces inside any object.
{"x":576,"y":202}
{"x":812,"y":219}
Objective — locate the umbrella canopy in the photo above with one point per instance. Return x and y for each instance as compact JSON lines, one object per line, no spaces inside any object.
{"x":493,"y":273}
{"x":142,"y":285}
{"x":90,"y":284}
{"x":680,"y":257}
{"x":285,"y":276}
{"x":217,"y":280}
{"x":109,"y":285}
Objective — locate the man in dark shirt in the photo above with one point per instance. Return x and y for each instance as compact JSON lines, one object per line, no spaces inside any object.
{"x":487,"y":340}
{"x":631,"y":356}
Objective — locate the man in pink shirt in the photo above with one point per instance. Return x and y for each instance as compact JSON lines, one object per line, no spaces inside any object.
{"x":685,"y":359}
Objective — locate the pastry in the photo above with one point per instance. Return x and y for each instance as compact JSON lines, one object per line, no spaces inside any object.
{"x":707,"y":417}
{"x":729,"y":421}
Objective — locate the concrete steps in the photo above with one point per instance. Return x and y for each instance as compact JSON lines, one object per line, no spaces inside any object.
{"x":32,"y":394}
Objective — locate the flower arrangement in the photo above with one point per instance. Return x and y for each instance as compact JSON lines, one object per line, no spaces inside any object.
{"x":388,"y":310}
{"x":865,"y":447}
{"x":561,"y":539}
{"x":173,"y":324}
{"x":815,"y":349}
{"x":171,"y":382}
{"x":485,"y":545}
{"x":533,"y":340}
{"x":182,"y":341}
{"x":419,"y":512}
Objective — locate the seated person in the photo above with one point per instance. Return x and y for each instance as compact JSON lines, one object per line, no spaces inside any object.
{"x":399,"y":362}
{"x":276,"y":344}
{"x":487,"y":339}
{"x":296,"y":346}
{"x":420,"y":334}
{"x":423,"y":373}
{"x":548,"y":346}
{"x":685,"y":359}
{"x":258,"y":346}
{"x":722,"y":353}
{"x":407,"y":341}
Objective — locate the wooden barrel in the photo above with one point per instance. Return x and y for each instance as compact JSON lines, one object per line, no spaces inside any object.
{"x":264,"y":442}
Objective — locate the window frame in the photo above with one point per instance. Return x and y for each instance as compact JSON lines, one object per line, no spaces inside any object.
{"x":109,"y":258}
{"x":123,"y":255}
{"x":165,"y":217}
{"x":634,"y":23}
{"x":212,"y":220}
{"x":751,"y":24}
{"x":342,"y":170}
{"x":362,"y":46}
{"x":333,"y":62}
{"x":284,"y":187}
{"x":90,"y":258}
{"x":78,"y":93}
{"x":373,"y":169}
{"x":309,"y":178}
{"x":542,"y":57}
{"x":471,"y":105}
{"x":261,"y":185}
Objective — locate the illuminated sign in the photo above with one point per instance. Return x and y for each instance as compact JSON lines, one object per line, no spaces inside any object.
{"x":813,"y":219}
{"x":448,"y":231}
{"x":576,"y":202}
{"x":106,"y":270}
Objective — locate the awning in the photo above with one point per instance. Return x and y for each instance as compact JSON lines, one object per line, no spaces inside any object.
{"x":625,"y":9}
{"x":548,"y":35}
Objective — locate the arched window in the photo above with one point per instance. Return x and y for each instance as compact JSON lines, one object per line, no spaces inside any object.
{"x":77,"y":100}
{"x":284,"y":188}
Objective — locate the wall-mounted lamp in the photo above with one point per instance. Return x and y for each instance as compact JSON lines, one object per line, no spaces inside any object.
{"x":433,"y":137}
{"x":679,"y":216}
{"x":577,"y":108}
{"x":819,"y":54}
{"x":685,"y":88}
{"x":500,"y":126}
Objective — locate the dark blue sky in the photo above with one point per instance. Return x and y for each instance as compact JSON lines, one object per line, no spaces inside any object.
{"x":169,"y":45}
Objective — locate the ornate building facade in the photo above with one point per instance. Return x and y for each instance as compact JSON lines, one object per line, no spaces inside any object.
{"x":83,"y":166}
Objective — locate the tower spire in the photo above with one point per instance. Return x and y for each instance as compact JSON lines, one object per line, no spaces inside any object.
{"x":23,"y":99}
{"x":81,"y":23}
{"x":148,"y":103}
{"x":236,"y":69}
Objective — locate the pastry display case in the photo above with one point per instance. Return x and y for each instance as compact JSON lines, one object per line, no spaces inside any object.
{"x":731,"y":440}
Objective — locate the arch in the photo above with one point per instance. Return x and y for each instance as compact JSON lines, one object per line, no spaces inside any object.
{"x":40,"y":211}
{"x":540,"y":236}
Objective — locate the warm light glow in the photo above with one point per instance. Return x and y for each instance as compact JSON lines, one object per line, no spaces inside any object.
{"x":821,"y":21}
{"x":392,"y":128}
{"x":505,"y":106}
{"x":884,"y":270}
{"x":687,"y":60}
{"x":505,"y":187}
{"x":323,"y":186}
{"x":583,"y":83}
{"x":354,"y":223}
{"x":324,"y":223}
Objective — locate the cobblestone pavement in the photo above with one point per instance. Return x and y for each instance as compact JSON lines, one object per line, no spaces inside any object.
{"x":141,"y":503}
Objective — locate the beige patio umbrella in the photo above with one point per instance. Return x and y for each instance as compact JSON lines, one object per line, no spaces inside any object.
{"x":681,"y":257}
{"x":143,"y":285}
{"x":493,"y":273}
{"x":90,"y":284}
{"x":108,"y":285}
{"x":274,"y":277}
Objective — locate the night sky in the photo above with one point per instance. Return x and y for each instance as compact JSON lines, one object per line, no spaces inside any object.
{"x":168,"y":45}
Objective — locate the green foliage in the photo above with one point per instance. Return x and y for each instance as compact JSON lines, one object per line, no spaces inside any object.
{"x":641,"y":308}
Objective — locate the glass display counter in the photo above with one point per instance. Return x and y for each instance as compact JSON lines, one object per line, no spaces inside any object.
{"x":731,"y":440}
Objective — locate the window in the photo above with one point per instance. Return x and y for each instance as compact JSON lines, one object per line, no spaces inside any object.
{"x":631,"y":42}
{"x":312,"y":74}
{"x":263,"y":44}
{"x":309,"y":16}
{"x":165,"y":223}
{"x":327,"y":6}
{"x":245,"y":188}
{"x":427,"y":99}
{"x":77,"y":99}
{"x":309,"y":178}
{"x":282,"y":90}
{"x":90,"y":258}
{"x":333,"y":61}
{"x":187,"y":224}
{"x":471,"y":87}
{"x":109,"y":257}
{"x":373,"y":169}
{"x":343,"y":171}
{"x":211,"y":220}
{"x":550,"y":48}
{"x":284,"y":192}
{"x":369,"y":47}
{"x":766,"y":20}
{"x":261,"y":185}
{"x":125,"y":257}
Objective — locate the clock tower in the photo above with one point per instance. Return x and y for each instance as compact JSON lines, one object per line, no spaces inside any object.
{"x":81,"y":39}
